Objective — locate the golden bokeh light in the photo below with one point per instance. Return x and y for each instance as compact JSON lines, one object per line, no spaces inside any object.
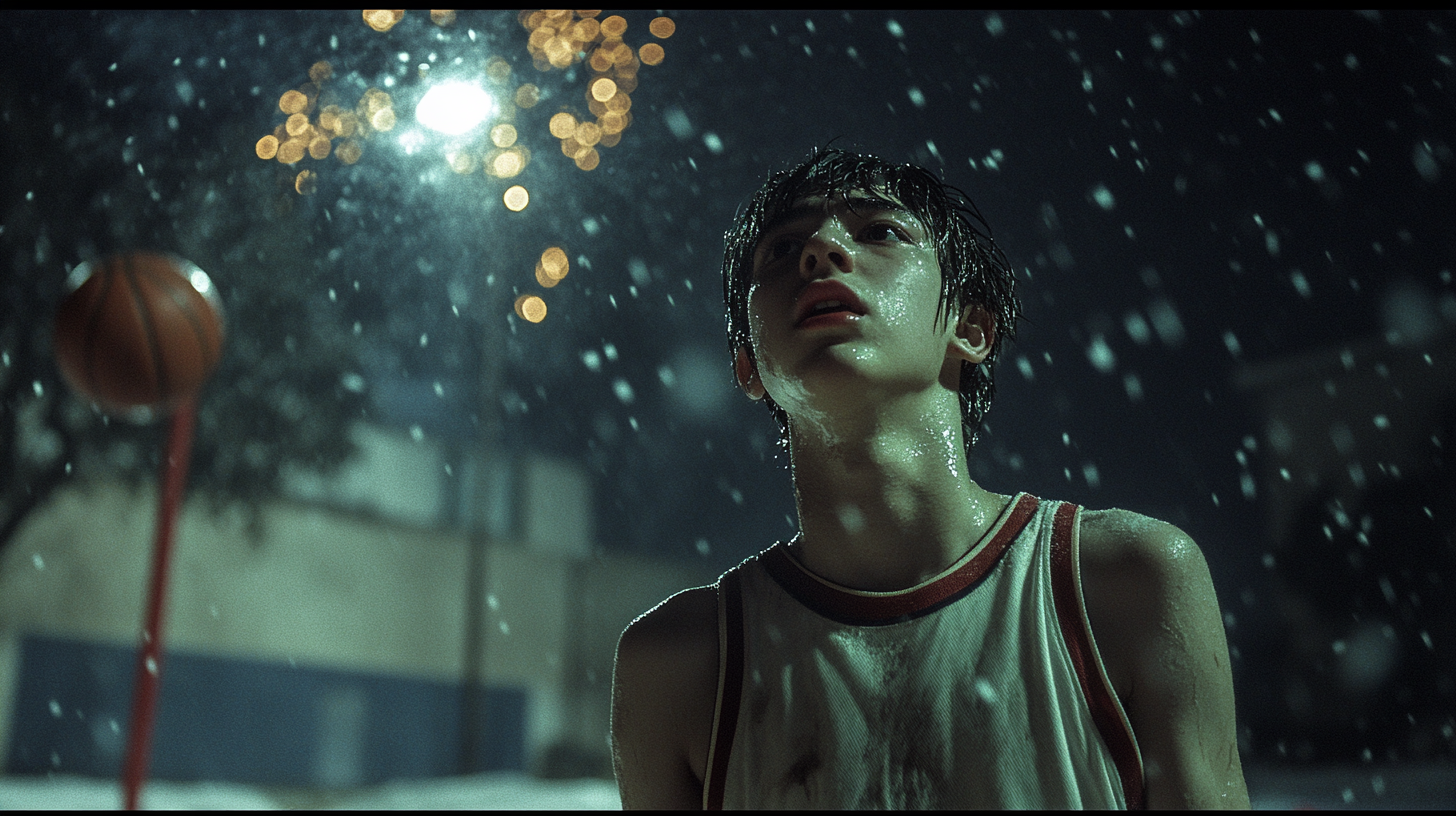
{"x":291,"y":151}
{"x":559,"y":52}
{"x":562,"y":38}
{"x":614,"y":26}
{"x":562,"y":125}
{"x":531,"y":308}
{"x":321,"y":71}
{"x":316,"y":125}
{"x":310,"y":93}
{"x":503,"y":135}
{"x":607,"y":51}
{"x":603,"y":89}
{"x":375,"y":99}
{"x":586,"y":30}
{"x":588,"y":159}
{"x":545,"y":280}
{"x":527,"y":96}
{"x":506,"y":163}
{"x":382,"y":119}
{"x":462,"y":163}
{"x":554,"y":263}
{"x":292,"y":102}
{"x":612,"y":122}
{"x":497,"y":69}
{"x":349,"y":152}
{"x":623,"y":56}
{"x":588,"y":133}
{"x":382,"y":20}
{"x":297,"y":124}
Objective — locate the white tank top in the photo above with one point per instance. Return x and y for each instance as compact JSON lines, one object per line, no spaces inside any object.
{"x":979,"y":688}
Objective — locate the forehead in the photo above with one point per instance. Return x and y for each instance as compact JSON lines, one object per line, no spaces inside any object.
{"x":820,"y":206}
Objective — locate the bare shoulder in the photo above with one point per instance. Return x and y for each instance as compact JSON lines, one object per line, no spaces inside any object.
{"x":1136,"y":570}
{"x":682,"y":621}
{"x":663,"y":694}
{"x":1155,"y":617}
{"x":1121,"y":540}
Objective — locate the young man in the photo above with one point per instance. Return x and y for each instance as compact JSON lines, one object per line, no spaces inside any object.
{"x":922,"y":642}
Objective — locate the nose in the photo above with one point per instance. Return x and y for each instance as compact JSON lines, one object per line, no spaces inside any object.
{"x":825,"y":252}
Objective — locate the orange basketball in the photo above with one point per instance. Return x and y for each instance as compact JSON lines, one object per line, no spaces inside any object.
{"x":143,"y":329}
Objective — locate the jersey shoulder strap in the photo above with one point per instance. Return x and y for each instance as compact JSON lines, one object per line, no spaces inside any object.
{"x":1107,"y":712}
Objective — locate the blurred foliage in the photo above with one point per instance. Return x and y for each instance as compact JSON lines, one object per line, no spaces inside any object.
{"x":285,"y":405}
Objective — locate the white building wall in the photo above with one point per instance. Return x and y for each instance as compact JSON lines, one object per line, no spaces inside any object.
{"x":381,"y":592}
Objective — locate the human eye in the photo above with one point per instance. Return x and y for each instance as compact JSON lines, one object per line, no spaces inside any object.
{"x":779,"y":247}
{"x":880,"y":231}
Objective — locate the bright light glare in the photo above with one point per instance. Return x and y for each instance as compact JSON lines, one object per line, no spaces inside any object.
{"x":454,"y":108}
{"x":411,"y":140}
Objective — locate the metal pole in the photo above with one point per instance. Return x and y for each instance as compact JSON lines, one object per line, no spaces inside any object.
{"x":478,"y":532}
{"x":149,"y":657}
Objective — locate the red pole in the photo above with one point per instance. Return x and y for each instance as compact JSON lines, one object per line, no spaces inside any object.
{"x":149,"y":657}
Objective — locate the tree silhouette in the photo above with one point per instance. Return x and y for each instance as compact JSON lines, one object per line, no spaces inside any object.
{"x":281,"y":397}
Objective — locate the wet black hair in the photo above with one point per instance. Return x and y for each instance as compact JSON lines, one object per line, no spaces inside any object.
{"x":974,"y":270}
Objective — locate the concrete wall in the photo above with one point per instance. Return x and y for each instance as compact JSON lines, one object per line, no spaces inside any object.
{"x":335,"y":590}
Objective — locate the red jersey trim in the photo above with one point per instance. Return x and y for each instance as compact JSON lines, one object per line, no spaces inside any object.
{"x":1107,"y":713}
{"x":861,"y":608}
{"x":730,"y":687}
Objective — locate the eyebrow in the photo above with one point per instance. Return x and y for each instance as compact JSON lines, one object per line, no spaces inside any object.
{"x":801,"y":210}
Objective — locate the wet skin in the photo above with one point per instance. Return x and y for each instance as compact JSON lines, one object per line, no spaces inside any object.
{"x":885,"y":502}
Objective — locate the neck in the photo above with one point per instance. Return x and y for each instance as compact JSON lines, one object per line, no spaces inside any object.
{"x":886,"y":502}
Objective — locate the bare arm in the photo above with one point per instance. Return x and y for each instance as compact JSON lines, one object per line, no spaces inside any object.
{"x":663,"y":694}
{"x":1152,"y":607}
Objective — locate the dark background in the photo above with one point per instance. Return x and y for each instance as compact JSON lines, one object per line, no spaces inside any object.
{"x":1187,"y":196}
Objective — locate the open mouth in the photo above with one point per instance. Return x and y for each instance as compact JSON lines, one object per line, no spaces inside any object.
{"x":829,"y":307}
{"x":827,"y":299}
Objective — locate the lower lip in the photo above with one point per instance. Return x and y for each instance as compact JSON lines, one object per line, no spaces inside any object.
{"x":826,"y":321}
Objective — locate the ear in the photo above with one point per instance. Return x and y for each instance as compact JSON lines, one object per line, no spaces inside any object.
{"x":747,"y":374}
{"x":975,"y":333}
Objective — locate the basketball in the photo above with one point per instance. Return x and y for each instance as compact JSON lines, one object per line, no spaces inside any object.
{"x":143,"y":329}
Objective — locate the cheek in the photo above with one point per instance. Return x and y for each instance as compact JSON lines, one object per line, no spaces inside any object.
{"x":755,"y":317}
{"x":915,"y":296}
{"x":765,"y":312}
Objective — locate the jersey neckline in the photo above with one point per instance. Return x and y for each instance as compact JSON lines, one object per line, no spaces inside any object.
{"x":866,"y":608}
